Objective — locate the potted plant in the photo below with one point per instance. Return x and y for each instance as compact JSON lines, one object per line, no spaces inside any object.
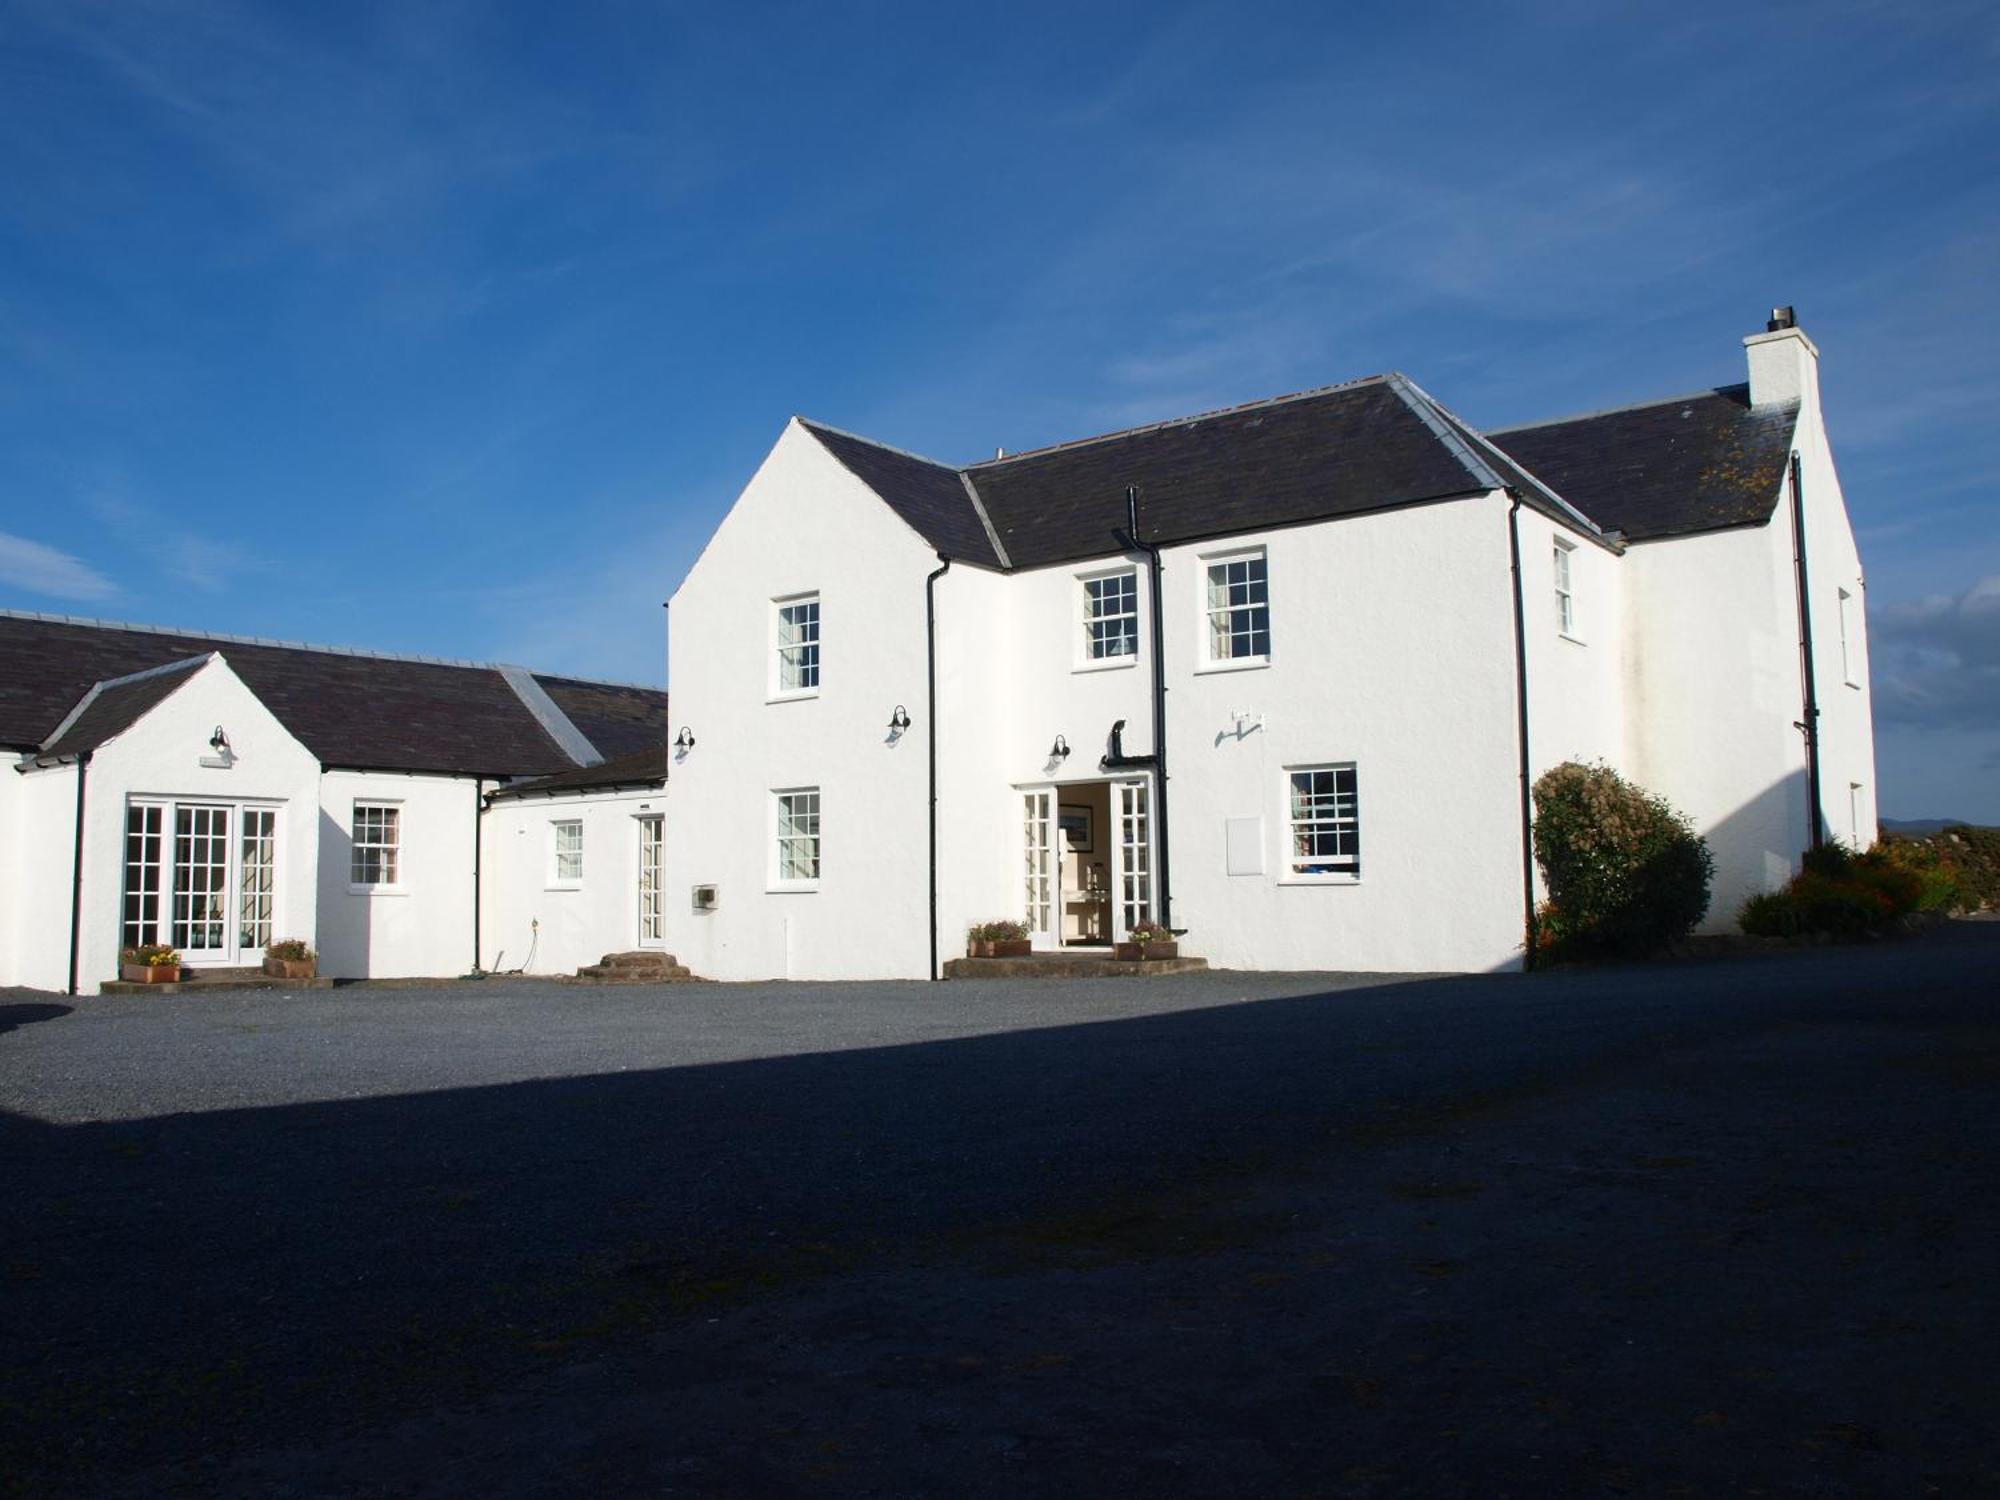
{"x":149,"y":963}
{"x":290,"y":958}
{"x":1147,"y":940}
{"x":998,"y":940}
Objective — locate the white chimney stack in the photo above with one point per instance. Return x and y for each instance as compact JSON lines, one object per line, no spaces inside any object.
{"x":1784,"y":363}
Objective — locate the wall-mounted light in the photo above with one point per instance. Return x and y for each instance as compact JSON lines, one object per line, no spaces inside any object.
{"x":900,"y":719}
{"x":219,"y":742}
{"x":684,"y":741}
{"x":1060,"y":749}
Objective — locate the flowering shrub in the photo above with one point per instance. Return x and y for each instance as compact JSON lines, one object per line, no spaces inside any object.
{"x":1150,"y":932}
{"x":151,"y":955}
{"x":997,"y":932}
{"x":1626,"y":873}
{"x":1841,"y":894}
{"x":295,"y":949}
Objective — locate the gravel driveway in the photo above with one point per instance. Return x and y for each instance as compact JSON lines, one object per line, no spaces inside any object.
{"x":1649,"y":1230}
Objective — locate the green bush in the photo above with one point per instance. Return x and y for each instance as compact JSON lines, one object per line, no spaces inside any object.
{"x":1626,"y":873}
{"x":1838,"y":893}
{"x":1960,"y":865}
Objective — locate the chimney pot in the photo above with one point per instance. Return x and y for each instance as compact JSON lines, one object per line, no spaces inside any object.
{"x":1781,"y":317}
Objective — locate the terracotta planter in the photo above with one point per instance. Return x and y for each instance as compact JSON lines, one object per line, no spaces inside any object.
{"x":149,"y":973}
{"x":978,"y":948}
{"x":1012,"y":947}
{"x":1133,"y":952}
{"x":291,"y":968}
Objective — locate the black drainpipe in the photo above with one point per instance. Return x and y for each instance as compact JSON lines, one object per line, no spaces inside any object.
{"x":1159,"y":756}
{"x":1521,"y":730}
{"x":931,"y":727}
{"x":478,"y":824}
{"x":76,"y":876}
{"x":1809,"y":726}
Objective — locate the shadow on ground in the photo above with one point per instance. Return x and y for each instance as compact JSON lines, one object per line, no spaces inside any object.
{"x":1611,"y":1231}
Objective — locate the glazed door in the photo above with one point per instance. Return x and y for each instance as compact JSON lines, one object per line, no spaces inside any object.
{"x":652,"y":931}
{"x":201,"y":926}
{"x":1039,"y":868}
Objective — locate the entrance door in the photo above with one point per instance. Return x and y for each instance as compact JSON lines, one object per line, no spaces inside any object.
{"x":201,"y":925}
{"x":1038,"y":845}
{"x":1135,"y":855}
{"x":651,"y":930}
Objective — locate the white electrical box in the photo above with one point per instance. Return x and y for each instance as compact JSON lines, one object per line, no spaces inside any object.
{"x":704,"y":898}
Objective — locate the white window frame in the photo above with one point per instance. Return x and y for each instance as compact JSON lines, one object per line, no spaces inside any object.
{"x":1850,"y":655}
{"x":778,"y":838}
{"x":1087,"y":641}
{"x":779,"y":692}
{"x":1293,"y":875}
{"x":1562,"y":564}
{"x":1209,"y":562}
{"x":396,"y":885}
{"x":564,"y":877}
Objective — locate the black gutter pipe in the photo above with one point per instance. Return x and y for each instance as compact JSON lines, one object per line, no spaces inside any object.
{"x":76,"y":875}
{"x":1809,"y":726}
{"x":1159,"y":700}
{"x":478,"y":815}
{"x":1521,"y":731}
{"x":931,"y":726}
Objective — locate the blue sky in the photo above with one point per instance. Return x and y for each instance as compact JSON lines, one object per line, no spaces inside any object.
{"x":455,"y":328}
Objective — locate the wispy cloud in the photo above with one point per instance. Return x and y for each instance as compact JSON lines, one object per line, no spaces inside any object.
{"x":1937,"y":661}
{"x":42,"y":569}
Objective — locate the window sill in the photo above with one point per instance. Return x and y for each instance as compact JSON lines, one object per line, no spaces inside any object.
{"x":1108,"y":664}
{"x":1340,"y":879}
{"x":376,"y":890}
{"x":793,"y":888}
{"x":799,"y":697}
{"x":1233,"y":664}
{"x":566,"y":885}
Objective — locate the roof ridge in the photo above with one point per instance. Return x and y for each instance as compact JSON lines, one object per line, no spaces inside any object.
{"x":1200,"y":416}
{"x":1435,"y":417}
{"x":97,"y":690}
{"x":1468,"y":432}
{"x":227,"y":638}
{"x":979,"y":508}
{"x":556,"y":724}
{"x":1612,"y":411}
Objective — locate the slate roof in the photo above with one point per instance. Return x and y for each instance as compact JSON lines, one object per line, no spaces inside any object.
{"x":1667,"y":468}
{"x":348,"y":708}
{"x":617,"y":718}
{"x":110,"y":708}
{"x":642,"y":768}
{"x":930,"y":496}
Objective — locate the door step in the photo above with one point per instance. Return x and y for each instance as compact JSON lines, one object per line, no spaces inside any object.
{"x":213,"y":981}
{"x":640,"y":966}
{"x":1069,"y":966}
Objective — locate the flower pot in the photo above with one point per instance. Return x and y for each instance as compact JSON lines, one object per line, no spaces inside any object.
{"x":1012,"y":947}
{"x":291,"y":968}
{"x":149,"y":973}
{"x":978,"y":948}
{"x":1133,"y":952}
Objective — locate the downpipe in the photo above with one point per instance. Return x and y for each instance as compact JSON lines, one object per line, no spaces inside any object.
{"x":931,"y":732}
{"x":1521,"y":734}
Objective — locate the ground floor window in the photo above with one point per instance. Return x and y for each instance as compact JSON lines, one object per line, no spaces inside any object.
{"x":201,"y":877}
{"x":651,"y":845}
{"x":378,"y":844}
{"x":142,"y":874}
{"x":798,"y":836}
{"x":566,"y":851}
{"x":1325,"y":821}
{"x":259,"y":880}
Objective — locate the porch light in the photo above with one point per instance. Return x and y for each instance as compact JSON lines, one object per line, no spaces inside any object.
{"x":1060,"y":749}
{"x":684,"y":741}
{"x":900,"y":719}
{"x":219,"y":742}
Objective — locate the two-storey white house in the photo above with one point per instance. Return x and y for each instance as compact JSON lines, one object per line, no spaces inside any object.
{"x":1279,"y":675}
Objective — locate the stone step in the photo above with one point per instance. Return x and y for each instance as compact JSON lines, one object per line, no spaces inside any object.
{"x":637,"y":958}
{"x":1069,"y":966}
{"x":607,"y":974}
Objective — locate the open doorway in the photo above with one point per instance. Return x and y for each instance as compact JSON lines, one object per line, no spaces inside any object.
{"x":1083,"y":850}
{"x":1089,"y":860}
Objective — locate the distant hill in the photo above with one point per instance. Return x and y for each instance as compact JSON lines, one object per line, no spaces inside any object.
{"x":1920,"y":826}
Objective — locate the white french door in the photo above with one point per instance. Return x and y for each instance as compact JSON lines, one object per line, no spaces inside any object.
{"x":1039,"y":870}
{"x":201,"y":877}
{"x":1135,"y":855}
{"x":201,"y":889}
{"x":652,"y":929}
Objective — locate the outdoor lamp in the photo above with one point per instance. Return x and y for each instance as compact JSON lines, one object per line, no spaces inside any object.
{"x":684,"y":741}
{"x":1060,"y":749}
{"x":900,"y":719}
{"x":219,"y":742}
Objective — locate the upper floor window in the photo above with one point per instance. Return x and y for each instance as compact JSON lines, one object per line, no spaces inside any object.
{"x":1850,"y":645}
{"x":1325,"y":817}
{"x":797,"y":818}
{"x":566,"y":852}
{"x":796,"y":641}
{"x":1239,"y":608}
{"x":1565,"y":595}
{"x":378,"y":844}
{"x":1111,"y":617}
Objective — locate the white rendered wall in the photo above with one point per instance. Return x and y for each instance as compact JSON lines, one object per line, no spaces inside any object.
{"x":1392,"y":647}
{"x":160,"y":756}
{"x":803,"y":523}
{"x":12,"y":846}
{"x":41,"y":831}
{"x":532,"y":922}
{"x":423,"y":927}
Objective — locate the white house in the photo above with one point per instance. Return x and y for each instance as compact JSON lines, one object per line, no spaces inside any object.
{"x":1278,"y":675}
{"x":214,"y":792}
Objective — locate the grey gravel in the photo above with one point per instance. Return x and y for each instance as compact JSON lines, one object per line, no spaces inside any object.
{"x":1707,"y":1227}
